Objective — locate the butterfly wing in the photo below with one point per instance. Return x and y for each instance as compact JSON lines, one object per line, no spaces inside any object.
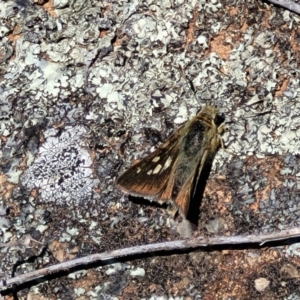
{"x":171,"y":172}
{"x":148,"y":177}
{"x":182,"y":199}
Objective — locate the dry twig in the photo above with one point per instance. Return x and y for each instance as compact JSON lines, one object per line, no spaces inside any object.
{"x":164,"y":246}
{"x":290,"y":5}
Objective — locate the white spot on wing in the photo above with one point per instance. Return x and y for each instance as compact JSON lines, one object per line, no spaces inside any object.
{"x":149,"y":172}
{"x":138,"y":170}
{"x":156,"y":159}
{"x":167,"y":163}
{"x":157,"y":169}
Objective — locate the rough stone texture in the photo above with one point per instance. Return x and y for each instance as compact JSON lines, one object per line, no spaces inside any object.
{"x":87,"y":87}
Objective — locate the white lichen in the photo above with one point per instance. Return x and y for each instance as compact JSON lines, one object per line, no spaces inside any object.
{"x":62,"y":169}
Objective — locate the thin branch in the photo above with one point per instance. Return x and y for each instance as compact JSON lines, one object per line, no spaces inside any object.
{"x":287,"y":4}
{"x":164,"y":246}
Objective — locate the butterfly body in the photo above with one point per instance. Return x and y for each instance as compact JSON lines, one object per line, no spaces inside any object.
{"x":171,"y":172}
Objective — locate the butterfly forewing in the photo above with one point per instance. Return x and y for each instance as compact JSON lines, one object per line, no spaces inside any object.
{"x":148,"y":177}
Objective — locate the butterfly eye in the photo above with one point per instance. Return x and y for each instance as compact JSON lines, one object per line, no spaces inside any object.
{"x":219,"y":119}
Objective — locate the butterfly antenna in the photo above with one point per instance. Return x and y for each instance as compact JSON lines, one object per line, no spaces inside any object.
{"x":190,"y":83}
